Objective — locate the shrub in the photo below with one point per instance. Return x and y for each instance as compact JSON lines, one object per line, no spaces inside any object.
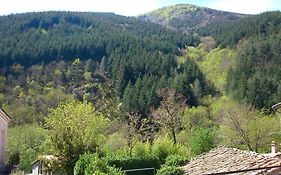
{"x":82,"y":163}
{"x":170,"y":170}
{"x":134,"y":163}
{"x":202,"y":141}
{"x":91,"y":164}
{"x":163,"y":147}
{"x":176,"y":160}
{"x":141,"y":149}
{"x":14,"y":159}
{"x":79,"y":128}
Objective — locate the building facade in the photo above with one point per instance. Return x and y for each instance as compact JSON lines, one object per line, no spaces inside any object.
{"x":4,"y":120}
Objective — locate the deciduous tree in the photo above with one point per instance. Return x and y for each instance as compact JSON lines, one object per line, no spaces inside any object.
{"x":169,"y":113}
{"x":74,"y":128}
{"x":245,"y":126}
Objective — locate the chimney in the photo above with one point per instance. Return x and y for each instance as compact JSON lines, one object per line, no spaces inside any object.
{"x":273,"y":147}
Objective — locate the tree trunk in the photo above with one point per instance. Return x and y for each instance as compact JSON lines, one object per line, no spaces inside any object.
{"x":174,"y":136}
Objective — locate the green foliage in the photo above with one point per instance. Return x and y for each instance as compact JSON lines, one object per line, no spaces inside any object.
{"x":202,"y":141}
{"x":167,"y":12}
{"x":215,"y":63}
{"x":176,"y":160}
{"x":197,"y":117}
{"x":75,"y":128}
{"x":82,"y":163}
{"x":245,"y":127}
{"x":119,"y":64}
{"x":216,"y":66}
{"x":2,"y":82}
{"x":150,"y":155}
{"x":21,"y":113}
{"x":25,"y":143}
{"x":141,"y":149}
{"x":93,"y":35}
{"x":170,"y":170}
{"x":142,"y":157}
{"x":230,"y":33}
{"x":91,"y":164}
{"x":136,"y":163}
{"x":251,"y":81}
{"x":163,"y":147}
{"x":14,"y":158}
{"x":191,"y":83}
{"x":70,"y":55}
{"x":257,"y":39}
{"x":140,"y":96}
{"x":188,"y":18}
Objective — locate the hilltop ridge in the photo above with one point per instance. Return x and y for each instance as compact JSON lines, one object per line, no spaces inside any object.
{"x":187,"y":17}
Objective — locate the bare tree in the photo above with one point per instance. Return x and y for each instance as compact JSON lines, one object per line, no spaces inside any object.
{"x":169,"y":113}
{"x":138,"y":126}
{"x":131,"y":129}
{"x":247,"y":126}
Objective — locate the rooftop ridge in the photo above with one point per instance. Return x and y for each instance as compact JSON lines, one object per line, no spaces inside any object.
{"x":224,"y":159}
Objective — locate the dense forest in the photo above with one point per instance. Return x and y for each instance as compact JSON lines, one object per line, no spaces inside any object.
{"x":66,"y":50}
{"x":105,"y":93}
{"x":117,"y":63}
{"x":256,"y":77}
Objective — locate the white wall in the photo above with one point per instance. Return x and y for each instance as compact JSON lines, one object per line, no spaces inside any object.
{"x":3,"y":140}
{"x":35,"y":168}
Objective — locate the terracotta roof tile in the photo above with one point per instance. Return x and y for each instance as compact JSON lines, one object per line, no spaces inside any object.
{"x":224,"y":160}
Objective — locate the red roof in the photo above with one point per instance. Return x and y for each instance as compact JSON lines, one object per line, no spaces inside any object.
{"x":4,"y":115}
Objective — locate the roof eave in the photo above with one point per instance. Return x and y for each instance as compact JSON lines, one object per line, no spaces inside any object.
{"x":4,"y":115}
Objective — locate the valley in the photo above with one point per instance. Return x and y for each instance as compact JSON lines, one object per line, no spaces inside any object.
{"x":104,"y":90}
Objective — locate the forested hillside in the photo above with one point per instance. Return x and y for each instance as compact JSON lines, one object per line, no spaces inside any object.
{"x":73,"y":51}
{"x":105,"y":93}
{"x":254,"y":39}
{"x":256,"y":77}
{"x":188,"y":18}
{"x":116,"y":63}
{"x":34,"y":38}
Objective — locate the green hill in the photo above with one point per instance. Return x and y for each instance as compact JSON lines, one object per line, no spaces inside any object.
{"x":187,"y":18}
{"x":182,"y":74}
{"x":252,"y":75}
{"x":92,"y":56}
{"x":256,"y":77}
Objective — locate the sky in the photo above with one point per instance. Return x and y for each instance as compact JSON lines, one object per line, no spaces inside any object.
{"x":133,"y":7}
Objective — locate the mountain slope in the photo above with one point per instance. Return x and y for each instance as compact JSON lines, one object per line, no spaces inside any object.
{"x":42,"y":37}
{"x":256,"y":77}
{"x":186,"y":17}
{"x":228,"y":34}
{"x":49,"y":57}
{"x":254,"y":39}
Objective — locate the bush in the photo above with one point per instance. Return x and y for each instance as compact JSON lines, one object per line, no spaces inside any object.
{"x":136,"y":163}
{"x":170,"y":170}
{"x":14,"y":159}
{"x":202,"y":141}
{"x":91,"y":164}
{"x":25,"y":144}
{"x":176,"y":160}
{"x":82,"y":163}
{"x":163,"y":147}
{"x":141,"y":149}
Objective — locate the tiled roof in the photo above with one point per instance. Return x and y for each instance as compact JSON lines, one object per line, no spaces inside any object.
{"x":223,"y":160}
{"x":4,"y":115}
